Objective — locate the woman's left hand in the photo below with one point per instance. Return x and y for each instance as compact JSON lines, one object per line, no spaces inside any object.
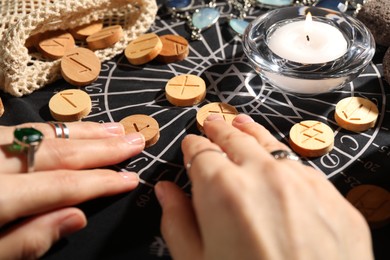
{"x":36,"y":208}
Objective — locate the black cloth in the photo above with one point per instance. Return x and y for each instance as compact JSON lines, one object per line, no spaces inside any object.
{"x":127,"y":226}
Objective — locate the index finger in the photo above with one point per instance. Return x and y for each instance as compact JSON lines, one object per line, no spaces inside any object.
{"x":246,"y":142}
{"x":264,"y":137}
{"x":241,"y":148}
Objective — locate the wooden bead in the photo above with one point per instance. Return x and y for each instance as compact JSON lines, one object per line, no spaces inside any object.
{"x":185,"y":90}
{"x":80,"y":66}
{"x":373,"y":202}
{"x":83,"y":31}
{"x":144,"y":124}
{"x":143,"y":49}
{"x":228,"y":112}
{"x":174,"y":48}
{"x":70,"y":105}
{"x":54,"y":44}
{"x":105,"y":38}
{"x":356,"y":114}
{"x":311,"y":138}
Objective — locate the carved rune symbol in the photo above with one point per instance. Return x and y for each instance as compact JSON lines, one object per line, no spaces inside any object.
{"x":355,"y":110}
{"x":141,"y":45}
{"x":178,"y":46}
{"x":184,"y":85}
{"x":140,"y":128}
{"x":55,"y":42}
{"x":74,"y":57}
{"x":64,"y":96}
{"x":312,"y":133}
{"x":224,"y":112}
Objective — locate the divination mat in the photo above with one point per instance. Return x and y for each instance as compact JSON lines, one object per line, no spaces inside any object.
{"x":127,"y":226}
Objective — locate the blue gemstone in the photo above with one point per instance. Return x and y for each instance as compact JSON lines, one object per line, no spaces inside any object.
{"x":178,"y":4}
{"x":238,"y":25}
{"x":275,"y":2}
{"x":205,"y":17}
{"x":330,"y":4}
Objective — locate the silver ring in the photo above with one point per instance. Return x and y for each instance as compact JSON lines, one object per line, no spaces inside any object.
{"x":61,"y":130}
{"x":189,"y":164}
{"x":285,"y":154}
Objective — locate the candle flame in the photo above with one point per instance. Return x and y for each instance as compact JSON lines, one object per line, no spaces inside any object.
{"x":309,"y":17}
{"x":308,"y":25}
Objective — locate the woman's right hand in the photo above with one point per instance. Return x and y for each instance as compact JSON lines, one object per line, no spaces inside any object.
{"x":250,"y":205}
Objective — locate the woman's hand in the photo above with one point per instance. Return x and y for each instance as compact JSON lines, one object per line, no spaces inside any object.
{"x":36,"y":208}
{"x":249,"y":205}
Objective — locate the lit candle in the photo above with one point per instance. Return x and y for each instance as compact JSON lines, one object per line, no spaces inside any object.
{"x":309,"y":56}
{"x":308,"y":41}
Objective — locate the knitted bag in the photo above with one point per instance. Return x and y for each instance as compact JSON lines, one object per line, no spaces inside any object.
{"x":22,"y":72}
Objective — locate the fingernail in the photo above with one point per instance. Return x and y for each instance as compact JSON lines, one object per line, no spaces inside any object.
{"x":71,"y":224}
{"x":129,"y":176}
{"x":135,"y":139}
{"x":214,"y":117}
{"x":114,"y":128}
{"x":243,"y":119}
{"x":159,"y":189}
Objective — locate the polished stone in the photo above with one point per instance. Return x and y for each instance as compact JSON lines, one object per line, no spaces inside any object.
{"x":178,"y":4}
{"x":205,"y":17}
{"x":275,"y":2}
{"x":25,"y":137}
{"x":331,"y":4}
{"x":238,"y":25}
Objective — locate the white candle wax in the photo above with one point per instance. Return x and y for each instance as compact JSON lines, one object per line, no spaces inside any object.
{"x":322,"y":43}
{"x":304,"y":86}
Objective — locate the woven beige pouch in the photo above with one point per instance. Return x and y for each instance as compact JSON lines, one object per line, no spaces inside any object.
{"x":21,"y":72}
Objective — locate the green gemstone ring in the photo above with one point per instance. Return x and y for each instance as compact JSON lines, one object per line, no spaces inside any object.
{"x":27,"y":140}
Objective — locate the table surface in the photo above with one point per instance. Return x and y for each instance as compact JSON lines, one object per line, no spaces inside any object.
{"x":127,"y":226}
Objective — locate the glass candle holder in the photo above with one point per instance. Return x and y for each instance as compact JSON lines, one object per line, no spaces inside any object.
{"x":294,"y":57}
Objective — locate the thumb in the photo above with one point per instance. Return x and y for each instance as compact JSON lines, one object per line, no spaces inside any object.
{"x":33,"y":237}
{"x":178,"y":224}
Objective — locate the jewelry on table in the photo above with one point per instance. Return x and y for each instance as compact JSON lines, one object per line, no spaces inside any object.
{"x":179,"y":5}
{"x":274,"y":3}
{"x":205,"y":17}
{"x":201,"y":19}
{"x":338,"y":5}
{"x":236,"y":21}
{"x":26,"y":140}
